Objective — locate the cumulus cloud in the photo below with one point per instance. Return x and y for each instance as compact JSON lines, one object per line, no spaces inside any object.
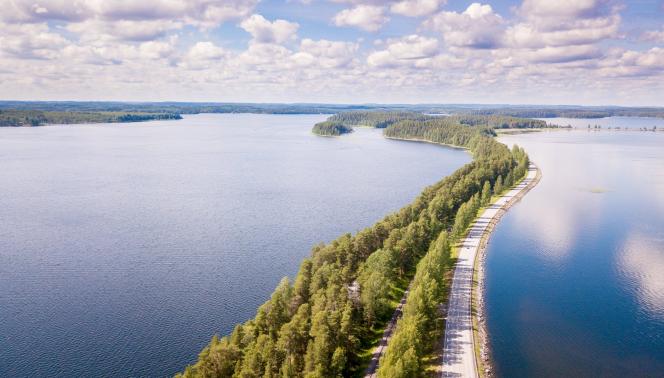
{"x":549,"y":12}
{"x":128,"y":30}
{"x":366,"y":17}
{"x":204,"y":55}
{"x":653,"y":36}
{"x":157,"y":49}
{"x":476,"y":27}
{"x":199,"y":13}
{"x":100,"y":48}
{"x":30,"y":41}
{"x":404,"y":51}
{"x":564,"y":23}
{"x":416,"y":8}
{"x":206,"y":51}
{"x":328,"y":54}
{"x":267,"y":55}
{"x":630,"y":63}
{"x":264,"y":31}
{"x":22,"y":11}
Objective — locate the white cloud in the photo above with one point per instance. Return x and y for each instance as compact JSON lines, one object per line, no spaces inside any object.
{"x":629,"y":63}
{"x":206,"y":51}
{"x":264,"y":31}
{"x":573,"y":32}
{"x":562,"y":54}
{"x":199,"y":13}
{"x":549,"y":12}
{"x":328,"y":54}
{"x":128,"y":30}
{"x":416,"y":8}
{"x":366,"y":17}
{"x":30,"y":41}
{"x":404,"y":51}
{"x":21,"y":11}
{"x":267,"y":55}
{"x":564,"y":23}
{"x":157,"y":49}
{"x":477,"y":27}
{"x":653,"y":36}
{"x":204,"y":55}
{"x":115,"y":49}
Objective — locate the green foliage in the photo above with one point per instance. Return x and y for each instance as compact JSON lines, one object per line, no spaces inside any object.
{"x":486,"y":193}
{"x":330,"y":128}
{"x":13,"y":117}
{"x":417,"y":329}
{"x":346,"y":291}
{"x":379,"y":120}
{"x":501,"y":121}
{"x":498,"y":186}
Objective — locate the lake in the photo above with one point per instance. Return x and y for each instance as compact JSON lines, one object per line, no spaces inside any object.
{"x":125,"y":247}
{"x":575,"y":271}
{"x":608,"y":122}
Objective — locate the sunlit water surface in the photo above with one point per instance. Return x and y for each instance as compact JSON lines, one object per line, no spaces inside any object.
{"x":124,"y":248}
{"x":575,"y":272}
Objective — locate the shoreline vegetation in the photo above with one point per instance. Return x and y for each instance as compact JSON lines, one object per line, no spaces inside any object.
{"x":329,"y":320}
{"x":342,"y":123}
{"x":21,"y":118}
{"x":37,"y":113}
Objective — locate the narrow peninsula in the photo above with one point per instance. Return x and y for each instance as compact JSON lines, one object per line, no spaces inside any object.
{"x":328,"y":321}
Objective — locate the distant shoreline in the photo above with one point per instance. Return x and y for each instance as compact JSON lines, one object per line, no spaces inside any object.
{"x":427,"y":141}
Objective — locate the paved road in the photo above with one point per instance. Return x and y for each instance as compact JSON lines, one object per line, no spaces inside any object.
{"x":458,"y":350}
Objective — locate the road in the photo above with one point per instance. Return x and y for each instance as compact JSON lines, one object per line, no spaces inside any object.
{"x":458,"y":350}
{"x":387,"y":335}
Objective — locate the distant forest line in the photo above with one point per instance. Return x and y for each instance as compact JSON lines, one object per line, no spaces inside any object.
{"x":36,"y":113}
{"x":20,"y":117}
{"x":343,"y":123}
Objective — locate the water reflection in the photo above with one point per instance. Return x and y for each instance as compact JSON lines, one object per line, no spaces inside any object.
{"x":575,"y":272}
{"x":641,"y":262}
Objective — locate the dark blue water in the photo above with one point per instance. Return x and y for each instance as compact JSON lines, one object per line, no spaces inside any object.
{"x":575,"y":272}
{"x":124,"y":248}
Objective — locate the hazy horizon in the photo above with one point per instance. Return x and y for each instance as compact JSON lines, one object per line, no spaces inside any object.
{"x":387,"y":104}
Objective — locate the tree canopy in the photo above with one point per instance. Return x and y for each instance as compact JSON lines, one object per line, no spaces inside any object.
{"x":324,"y":323}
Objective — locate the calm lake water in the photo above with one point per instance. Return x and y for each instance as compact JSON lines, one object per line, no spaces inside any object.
{"x":575,"y":272}
{"x":125,"y":247}
{"x":609,"y":122}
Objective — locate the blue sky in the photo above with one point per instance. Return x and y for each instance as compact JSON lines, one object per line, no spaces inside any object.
{"x":591,"y":52}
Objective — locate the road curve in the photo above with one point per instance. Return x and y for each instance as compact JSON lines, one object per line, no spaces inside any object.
{"x":459,"y":346}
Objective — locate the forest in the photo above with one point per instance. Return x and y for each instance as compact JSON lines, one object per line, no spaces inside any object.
{"x":344,"y":122}
{"x":527,"y":111}
{"x":330,"y":128}
{"x":326,"y":322}
{"x":12,"y":117}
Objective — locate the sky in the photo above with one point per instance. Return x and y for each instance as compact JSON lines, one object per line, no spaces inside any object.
{"x":585,"y":52}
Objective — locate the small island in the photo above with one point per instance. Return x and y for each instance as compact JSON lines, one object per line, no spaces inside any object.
{"x":331,"y":128}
